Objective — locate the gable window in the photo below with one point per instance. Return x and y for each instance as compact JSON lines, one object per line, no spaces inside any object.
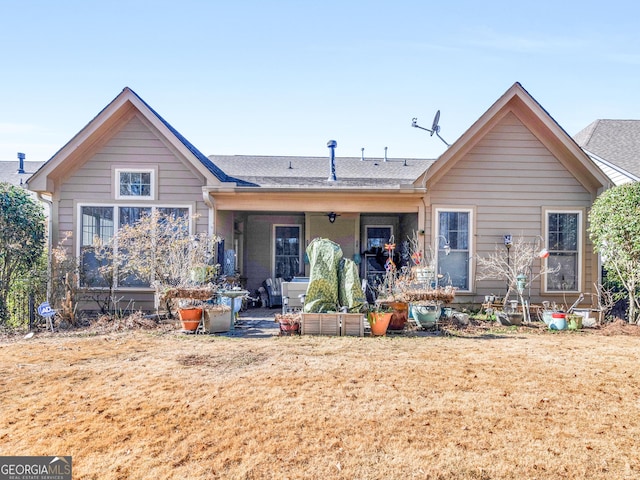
{"x":286,"y":251}
{"x":453,"y":240}
{"x":138,"y":184}
{"x":98,"y":225}
{"x":564,"y":239}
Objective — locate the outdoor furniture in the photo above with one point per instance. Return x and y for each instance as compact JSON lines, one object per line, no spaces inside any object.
{"x":273,"y":287}
{"x":293,"y":294}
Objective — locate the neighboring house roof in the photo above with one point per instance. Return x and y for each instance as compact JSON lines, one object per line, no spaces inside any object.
{"x":615,"y":146}
{"x":9,"y":171}
{"x":76,"y":150}
{"x":519,"y":101}
{"x":305,"y":172}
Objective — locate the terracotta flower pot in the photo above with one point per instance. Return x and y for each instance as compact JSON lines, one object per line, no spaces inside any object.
{"x":289,"y":328}
{"x":399,"y":315}
{"x":190,"y":318}
{"x":379,"y":322}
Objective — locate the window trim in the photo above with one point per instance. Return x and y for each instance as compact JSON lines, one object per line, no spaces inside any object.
{"x":116,"y":183}
{"x":301,"y":250}
{"x":116,"y":227}
{"x":437,"y":209}
{"x":546,"y":211}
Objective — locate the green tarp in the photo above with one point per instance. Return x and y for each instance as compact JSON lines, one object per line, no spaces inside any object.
{"x":334,"y":282}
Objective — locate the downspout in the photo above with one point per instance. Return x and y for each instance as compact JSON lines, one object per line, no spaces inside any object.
{"x":49,"y":202}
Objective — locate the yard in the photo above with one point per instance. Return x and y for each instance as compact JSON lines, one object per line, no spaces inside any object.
{"x":486,"y":405}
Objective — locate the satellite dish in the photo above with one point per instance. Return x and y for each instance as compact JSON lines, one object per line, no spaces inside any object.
{"x":435,"y":128}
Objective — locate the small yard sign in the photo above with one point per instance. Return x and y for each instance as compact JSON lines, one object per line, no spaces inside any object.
{"x":45,"y":310}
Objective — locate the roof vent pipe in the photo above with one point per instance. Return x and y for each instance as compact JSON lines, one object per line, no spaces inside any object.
{"x":332,"y":144}
{"x":362,"y":154}
{"x":21,"y":165}
{"x":385,"y":154}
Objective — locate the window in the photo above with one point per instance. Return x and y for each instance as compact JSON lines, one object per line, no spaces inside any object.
{"x":136,"y":184}
{"x":129,"y":216}
{"x":563,"y":242}
{"x":287,"y":251}
{"x":97,"y":229}
{"x":98,"y":225}
{"x":377,"y":236}
{"x":454,"y":247}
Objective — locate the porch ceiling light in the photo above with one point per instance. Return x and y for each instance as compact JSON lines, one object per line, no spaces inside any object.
{"x":332,"y":216}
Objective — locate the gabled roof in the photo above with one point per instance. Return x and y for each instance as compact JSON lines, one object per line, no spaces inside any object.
{"x":313,"y":172}
{"x":614,"y":142}
{"x":519,"y":102}
{"x":109,"y":117}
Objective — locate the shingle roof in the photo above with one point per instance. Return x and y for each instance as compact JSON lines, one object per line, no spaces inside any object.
{"x":220,"y":175}
{"x":9,"y":171}
{"x":617,"y":141}
{"x":351,"y":172}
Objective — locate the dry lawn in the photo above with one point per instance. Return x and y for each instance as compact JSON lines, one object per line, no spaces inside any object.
{"x":160,"y":405}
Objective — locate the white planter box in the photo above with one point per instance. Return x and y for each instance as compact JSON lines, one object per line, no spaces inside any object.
{"x":217,"y":320}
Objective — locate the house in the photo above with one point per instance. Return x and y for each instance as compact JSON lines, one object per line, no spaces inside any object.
{"x":515,"y":171}
{"x":614,"y":145}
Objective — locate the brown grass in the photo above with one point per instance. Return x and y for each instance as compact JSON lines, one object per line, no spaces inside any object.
{"x":138,"y":405}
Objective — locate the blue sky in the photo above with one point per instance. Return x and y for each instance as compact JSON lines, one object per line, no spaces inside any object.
{"x":284,"y":77}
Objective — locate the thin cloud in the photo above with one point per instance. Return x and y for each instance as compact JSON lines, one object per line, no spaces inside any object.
{"x":542,"y":43}
{"x":17,"y":128}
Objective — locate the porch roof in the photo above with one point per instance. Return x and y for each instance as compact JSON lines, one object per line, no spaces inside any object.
{"x":351,"y":172}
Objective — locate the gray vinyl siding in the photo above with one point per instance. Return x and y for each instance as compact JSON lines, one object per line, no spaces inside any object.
{"x":509,"y":176}
{"x":136,"y":145}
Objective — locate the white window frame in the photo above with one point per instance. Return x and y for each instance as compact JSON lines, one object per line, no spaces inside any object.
{"x":153,"y":186}
{"x":580,"y":243}
{"x":436,"y":239}
{"x":300,"y":244}
{"x":116,"y":226}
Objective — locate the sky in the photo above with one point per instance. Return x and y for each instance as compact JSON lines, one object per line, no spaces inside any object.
{"x":241,"y":77}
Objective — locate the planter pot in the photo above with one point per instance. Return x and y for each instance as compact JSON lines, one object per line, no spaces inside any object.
{"x":289,"y":328}
{"x":509,"y":319}
{"x":558,"y":321}
{"x":216,"y":319}
{"x":399,"y":316}
{"x":574,"y":322}
{"x":190,"y":318}
{"x":426,"y":315}
{"x":379,"y":322}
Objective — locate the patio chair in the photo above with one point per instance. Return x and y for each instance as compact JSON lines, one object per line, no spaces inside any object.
{"x":273,"y":288}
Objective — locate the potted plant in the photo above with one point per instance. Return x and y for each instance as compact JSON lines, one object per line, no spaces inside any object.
{"x":289,"y":323}
{"x":379,"y":317}
{"x":426,"y":313}
{"x":407,"y":287}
